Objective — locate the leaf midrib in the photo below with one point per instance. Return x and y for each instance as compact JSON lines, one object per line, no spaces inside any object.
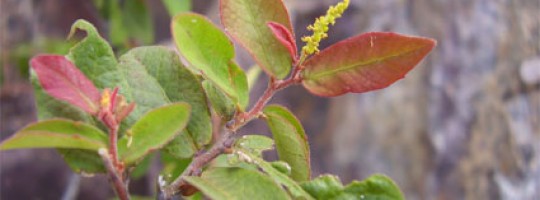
{"x":81,"y":137}
{"x":324,"y":73}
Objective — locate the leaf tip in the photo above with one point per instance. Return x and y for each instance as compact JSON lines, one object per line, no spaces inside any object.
{"x":285,"y":37}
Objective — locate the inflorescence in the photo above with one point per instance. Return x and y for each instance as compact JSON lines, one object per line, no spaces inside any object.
{"x":320,"y":27}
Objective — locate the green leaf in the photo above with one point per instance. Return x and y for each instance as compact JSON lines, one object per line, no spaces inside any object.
{"x":130,"y":20}
{"x":283,"y":179}
{"x":323,"y":187}
{"x":246,"y":21}
{"x":374,"y":187}
{"x":86,"y":162}
{"x":255,"y":143}
{"x":153,"y":131}
{"x":282,"y":167}
{"x":231,"y":160}
{"x":142,"y":88}
{"x":291,"y":141}
{"x":175,"y":7}
{"x":363,"y":63}
{"x":57,"y":134}
{"x":236,"y":184}
{"x":181,"y":147}
{"x":173,"y":83}
{"x":142,"y":167}
{"x":196,"y":196}
{"x":172,"y":166}
{"x":221,"y":103}
{"x":240,"y":85}
{"x":95,"y":58}
{"x":209,"y":51}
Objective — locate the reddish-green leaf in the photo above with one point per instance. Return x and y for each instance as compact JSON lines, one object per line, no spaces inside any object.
{"x":62,"y":80}
{"x":246,"y":21}
{"x":363,"y":63}
{"x":284,"y":36}
{"x":57,"y":133}
{"x":291,"y":141}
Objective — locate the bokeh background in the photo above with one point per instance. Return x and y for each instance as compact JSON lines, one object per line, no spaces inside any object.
{"x":464,"y":124}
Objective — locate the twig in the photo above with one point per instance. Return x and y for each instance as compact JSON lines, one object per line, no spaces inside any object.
{"x":113,"y":147}
{"x":226,"y":141}
{"x":273,"y":87}
{"x":193,"y":169}
{"x":114,"y":176}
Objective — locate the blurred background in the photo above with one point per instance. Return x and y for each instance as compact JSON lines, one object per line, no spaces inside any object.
{"x":464,"y":124}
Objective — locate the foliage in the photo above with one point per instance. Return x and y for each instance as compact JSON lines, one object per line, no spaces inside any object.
{"x":117,"y":111}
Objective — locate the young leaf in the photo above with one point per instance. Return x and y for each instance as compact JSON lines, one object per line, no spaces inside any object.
{"x":57,"y":134}
{"x":374,"y":187}
{"x":291,"y":141}
{"x":176,"y":84}
{"x":284,"y":36}
{"x":62,"y":80}
{"x":283,"y":179}
{"x":245,"y":21}
{"x":155,"y":129}
{"x":49,"y":107}
{"x":236,"y":184}
{"x":363,"y":63}
{"x":323,"y":187}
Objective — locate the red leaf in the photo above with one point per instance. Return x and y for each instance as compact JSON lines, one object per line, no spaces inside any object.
{"x":62,"y":80}
{"x":363,"y":63}
{"x":285,"y":37}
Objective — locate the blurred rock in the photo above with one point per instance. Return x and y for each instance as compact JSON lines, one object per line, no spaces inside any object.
{"x":530,"y":71}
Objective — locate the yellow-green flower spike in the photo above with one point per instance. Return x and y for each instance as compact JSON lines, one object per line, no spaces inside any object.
{"x":320,"y":27}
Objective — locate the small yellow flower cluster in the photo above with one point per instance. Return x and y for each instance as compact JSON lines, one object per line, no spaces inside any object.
{"x":320,"y":27}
